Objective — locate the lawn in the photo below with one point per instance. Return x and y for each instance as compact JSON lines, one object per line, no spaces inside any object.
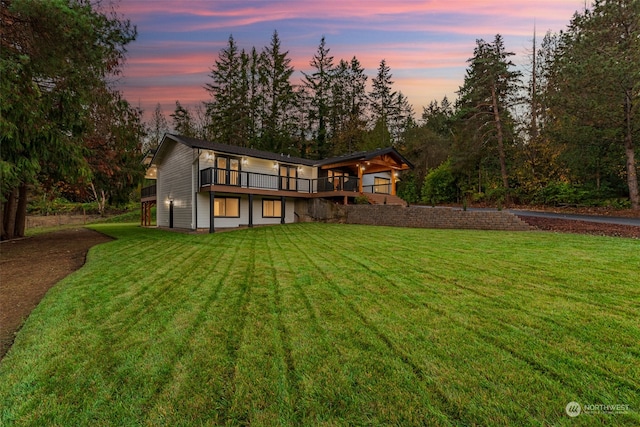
{"x":329,"y":324}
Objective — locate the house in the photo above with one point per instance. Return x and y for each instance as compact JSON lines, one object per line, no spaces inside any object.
{"x":208,"y":185}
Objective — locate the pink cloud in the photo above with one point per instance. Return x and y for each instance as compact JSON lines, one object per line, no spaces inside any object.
{"x":426,"y":43}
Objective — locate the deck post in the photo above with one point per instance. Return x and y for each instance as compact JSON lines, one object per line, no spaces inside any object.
{"x":282,"y":209}
{"x":393,"y":182}
{"x":211,"y":210}
{"x":250,"y":210}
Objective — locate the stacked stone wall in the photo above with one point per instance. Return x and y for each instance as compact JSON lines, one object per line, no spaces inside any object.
{"x":427,"y":217}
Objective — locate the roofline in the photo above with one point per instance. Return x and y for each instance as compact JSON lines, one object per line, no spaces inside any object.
{"x":268,"y":155}
{"x":235,"y":150}
{"x":366,"y":155}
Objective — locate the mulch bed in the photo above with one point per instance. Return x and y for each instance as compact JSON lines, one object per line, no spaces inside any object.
{"x":582,"y":227}
{"x":31,"y":266}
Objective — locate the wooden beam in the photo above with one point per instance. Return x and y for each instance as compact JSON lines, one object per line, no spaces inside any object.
{"x":350,"y":163}
{"x":393,"y":183}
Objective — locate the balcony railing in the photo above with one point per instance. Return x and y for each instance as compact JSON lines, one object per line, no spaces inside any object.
{"x":149,"y":191}
{"x":242,"y":179}
{"x":377,"y":188}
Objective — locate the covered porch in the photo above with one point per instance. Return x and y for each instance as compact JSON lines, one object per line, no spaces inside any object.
{"x":373,"y":172}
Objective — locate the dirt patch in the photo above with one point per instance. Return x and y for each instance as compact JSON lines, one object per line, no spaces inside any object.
{"x":31,"y":266}
{"x":582,"y":227}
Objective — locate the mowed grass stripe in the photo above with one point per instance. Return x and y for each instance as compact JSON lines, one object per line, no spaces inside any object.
{"x":311,"y":324}
{"x":368,"y":338}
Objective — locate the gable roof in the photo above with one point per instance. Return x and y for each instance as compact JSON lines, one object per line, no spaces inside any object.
{"x":363,"y":156}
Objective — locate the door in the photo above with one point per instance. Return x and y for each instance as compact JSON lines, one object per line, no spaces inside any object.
{"x":288,"y":177}
{"x":221,"y":173}
{"x":228,"y":171}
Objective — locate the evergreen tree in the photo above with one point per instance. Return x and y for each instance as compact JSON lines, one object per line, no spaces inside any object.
{"x":383,"y":103}
{"x":490,"y":87}
{"x":319,"y":84}
{"x":538,"y":155}
{"x":593,"y":94}
{"x":156,"y":129}
{"x":349,"y":102}
{"x":279,"y":99}
{"x":183,"y":123}
{"x":228,"y":108}
{"x":53,"y":57}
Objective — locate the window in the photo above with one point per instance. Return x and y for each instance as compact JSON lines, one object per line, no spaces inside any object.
{"x":271,"y":208}
{"x":382,"y":185}
{"x":226,"y":207}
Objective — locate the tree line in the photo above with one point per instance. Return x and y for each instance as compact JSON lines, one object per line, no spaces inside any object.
{"x":566,"y":134}
{"x":560,"y":132}
{"x":254,"y":103}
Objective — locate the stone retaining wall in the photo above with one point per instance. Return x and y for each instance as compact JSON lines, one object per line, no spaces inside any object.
{"x":427,"y":217}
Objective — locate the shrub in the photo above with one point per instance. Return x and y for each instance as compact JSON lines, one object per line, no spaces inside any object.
{"x":439,"y":185}
{"x":408,"y":190}
{"x":362,"y":200}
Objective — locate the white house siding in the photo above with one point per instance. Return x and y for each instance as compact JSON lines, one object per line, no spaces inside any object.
{"x":174,"y":183}
{"x":204,"y":212}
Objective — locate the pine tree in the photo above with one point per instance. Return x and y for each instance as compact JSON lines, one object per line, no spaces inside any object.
{"x":228,"y":89}
{"x":319,"y":84}
{"x":183,"y":123}
{"x":383,"y":103}
{"x":349,"y":104}
{"x":279,"y":99}
{"x":490,"y":87}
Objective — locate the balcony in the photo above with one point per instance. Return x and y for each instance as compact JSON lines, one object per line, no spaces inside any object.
{"x":260,"y":181}
{"x":148,"y":192}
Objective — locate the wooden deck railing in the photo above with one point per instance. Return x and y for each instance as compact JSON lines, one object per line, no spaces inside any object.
{"x":148,"y":191}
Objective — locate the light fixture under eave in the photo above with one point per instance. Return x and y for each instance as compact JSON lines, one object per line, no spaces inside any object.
{"x":275,"y":165}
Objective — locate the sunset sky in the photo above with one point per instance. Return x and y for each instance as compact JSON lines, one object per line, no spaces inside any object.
{"x":425,"y":43}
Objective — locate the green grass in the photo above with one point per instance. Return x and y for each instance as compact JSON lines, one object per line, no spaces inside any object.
{"x":326,"y":324}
